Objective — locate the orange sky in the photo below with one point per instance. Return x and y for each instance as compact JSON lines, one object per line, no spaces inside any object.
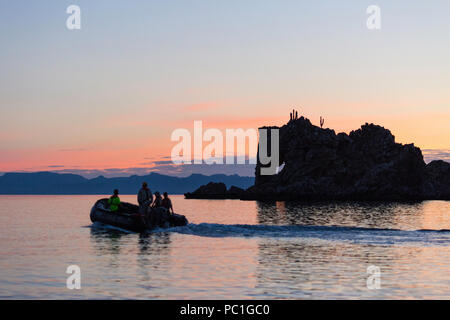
{"x":110,"y":95}
{"x":126,"y":151}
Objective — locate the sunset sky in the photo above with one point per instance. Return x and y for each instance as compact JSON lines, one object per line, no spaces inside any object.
{"x":106,"y":98}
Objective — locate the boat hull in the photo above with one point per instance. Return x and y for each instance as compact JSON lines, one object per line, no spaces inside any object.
{"x":128,"y":217}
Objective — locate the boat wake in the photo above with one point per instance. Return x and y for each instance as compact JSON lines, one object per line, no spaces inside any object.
{"x":330,"y":233}
{"x":359,"y":235}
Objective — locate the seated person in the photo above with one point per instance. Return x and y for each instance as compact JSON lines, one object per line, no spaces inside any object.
{"x":158,"y":200}
{"x":114,"y":201}
{"x":154,"y":216}
{"x":167,"y":203}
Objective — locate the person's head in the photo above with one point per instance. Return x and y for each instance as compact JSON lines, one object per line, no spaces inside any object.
{"x":157,"y":194}
{"x":144,"y":185}
{"x":116,"y":192}
{"x":165,"y":195}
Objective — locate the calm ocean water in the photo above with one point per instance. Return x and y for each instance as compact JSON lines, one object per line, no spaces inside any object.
{"x":231,"y":250}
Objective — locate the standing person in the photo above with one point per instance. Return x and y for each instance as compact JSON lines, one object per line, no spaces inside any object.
{"x":167,"y":203}
{"x":114,"y":201}
{"x":145,"y":198}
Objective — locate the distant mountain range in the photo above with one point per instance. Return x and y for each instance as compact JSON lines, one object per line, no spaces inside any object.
{"x":46,"y":183}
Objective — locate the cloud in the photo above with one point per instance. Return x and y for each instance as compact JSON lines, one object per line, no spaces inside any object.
{"x":436,"y":154}
{"x":164,"y":165}
{"x":166,"y":168}
{"x":109,"y":172}
{"x":162,"y":162}
{"x":184,"y":170}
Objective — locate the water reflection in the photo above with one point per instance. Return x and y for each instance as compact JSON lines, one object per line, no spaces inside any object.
{"x":106,"y":241}
{"x":309,"y":269}
{"x":152,"y":258}
{"x":154,"y":243}
{"x":354,"y":214}
{"x":231,"y":250}
{"x":315,"y":268}
{"x":109,"y":241}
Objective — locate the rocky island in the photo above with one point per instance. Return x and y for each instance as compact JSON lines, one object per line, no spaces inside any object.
{"x":215,"y":190}
{"x":318,"y":164}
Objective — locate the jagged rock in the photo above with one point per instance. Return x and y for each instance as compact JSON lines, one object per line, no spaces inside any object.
{"x":215,"y":190}
{"x":437,"y":180}
{"x":235,"y":191}
{"x":319,"y":164}
{"x":367,"y":164}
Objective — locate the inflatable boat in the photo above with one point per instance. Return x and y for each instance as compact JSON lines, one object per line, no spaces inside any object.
{"x":128,"y":218}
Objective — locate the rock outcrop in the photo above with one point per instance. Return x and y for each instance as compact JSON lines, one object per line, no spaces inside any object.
{"x":437,"y":181}
{"x":367,"y":164}
{"x":215,"y":190}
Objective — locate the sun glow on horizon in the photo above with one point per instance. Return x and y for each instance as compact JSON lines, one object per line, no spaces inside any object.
{"x":109,"y":95}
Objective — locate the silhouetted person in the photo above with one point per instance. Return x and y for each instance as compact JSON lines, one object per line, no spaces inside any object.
{"x":154,"y":216}
{"x":114,"y":201}
{"x":145,"y":198}
{"x":167,"y":203}
{"x":158,"y":200}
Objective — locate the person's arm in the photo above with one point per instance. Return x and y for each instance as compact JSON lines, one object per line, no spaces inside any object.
{"x":140,"y":197}
{"x":170,"y":204}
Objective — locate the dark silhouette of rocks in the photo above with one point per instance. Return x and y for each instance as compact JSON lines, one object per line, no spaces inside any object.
{"x":215,"y":190}
{"x":437,"y":182}
{"x":366,"y":164}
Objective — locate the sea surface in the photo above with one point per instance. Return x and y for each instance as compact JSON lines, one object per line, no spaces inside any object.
{"x":230,"y":250}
